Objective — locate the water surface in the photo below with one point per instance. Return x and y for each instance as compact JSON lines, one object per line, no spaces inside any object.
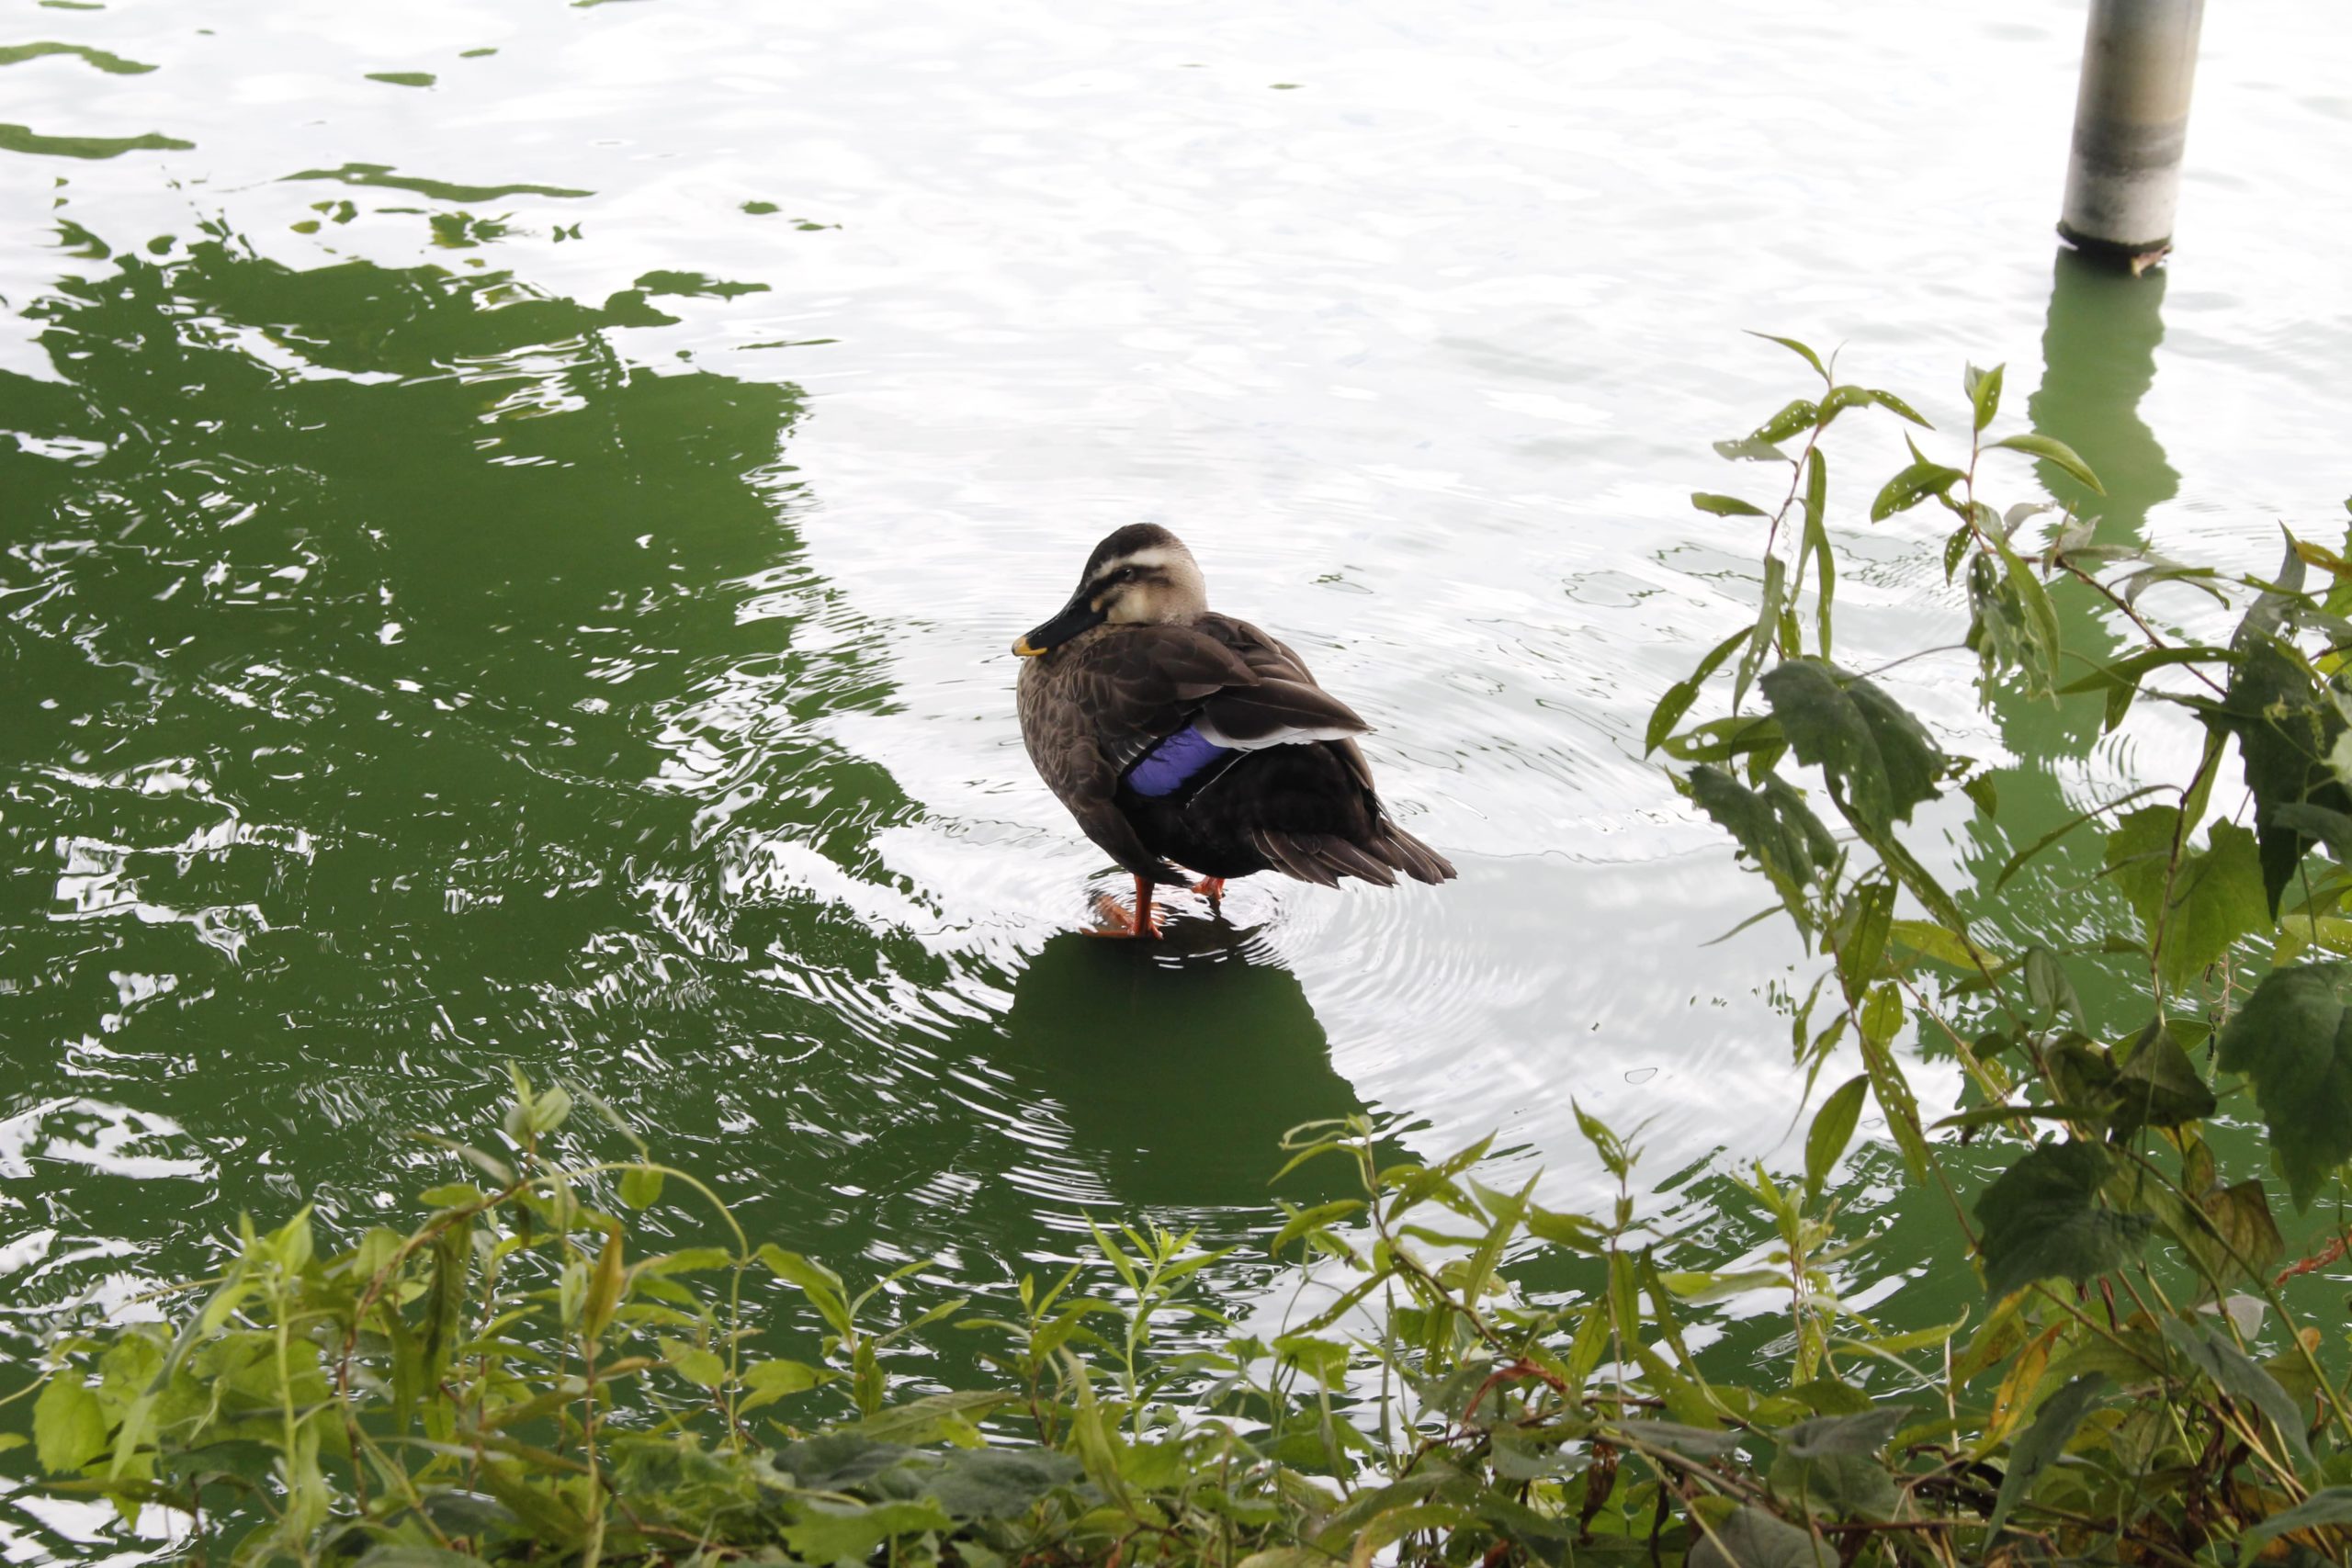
{"x":512,"y":522}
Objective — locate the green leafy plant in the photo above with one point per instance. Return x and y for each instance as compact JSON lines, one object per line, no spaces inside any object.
{"x":514,"y":1378}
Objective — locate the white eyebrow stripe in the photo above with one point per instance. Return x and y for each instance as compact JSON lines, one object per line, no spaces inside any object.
{"x":1143,"y":560}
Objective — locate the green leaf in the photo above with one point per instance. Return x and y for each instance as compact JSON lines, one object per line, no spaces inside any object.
{"x":1325,"y":1361}
{"x":389,"y":1555}
{"x":2120,"y":681}
{"x":2328,"y":1506}
{"x":2294,"y":1039}
{"x":2332,"y":829}
{"x":1859,"y":933}
{"x":997,"y":1483}
{"x":1674,"y":1437}
{"x":1864,"y":1432}
{"x":1955,"y":548}
{"x":1726,"y":505}
{"x":2159,"y":1087}
{"x":2216,"y":894}
{"x":1799,"y":350}
{"x":2248,"y":1238}
{"x":1845,"y":1485}
{"x":1911,"y":486}
{"x":2049,"y":450}
{"x":1798,"y":414}
{"x":1774,"y":827}
{"x":1833,"y":1128}
{"x":69,"y":1425}
{"x":1734,"y":735}
{"x":924,"y":1419}
{"x":1840,"y":398}
{"x":767,"y":1381}
{"x":694,"y":1363}
{"x":1308,"y":1219}
{"x":2236,"y":1374}
{"x":1984,"y":389}
{"x":1682,"y":693}
{"x":1932,"y":941}
{"x":1751,"y":1537}
{"x":2286,"y":728}
{"x":640,"y":1187}
{"x":1828,"y":1397}
{"x":2050,"y":991}
{"x":1891,"y":1088}
{"x":829,"y":1532}
{"x":1816,"y":544}
{"x":818,"y":1283}
{"x":1748,"y":449}
{"x":1769,"y":605}
{"x":1880,"y":762}
{"x":2042,"y":1443}
{"x":547,"y":1111}
{"x":2042,"y":1217}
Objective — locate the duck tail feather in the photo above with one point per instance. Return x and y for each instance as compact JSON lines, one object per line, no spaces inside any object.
{"x":1294,"y":856}
{"x":1412,"y":857}
{"x":1354,"y":859}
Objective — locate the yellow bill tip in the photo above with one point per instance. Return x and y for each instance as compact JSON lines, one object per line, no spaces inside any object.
{"x":1025,"y":648}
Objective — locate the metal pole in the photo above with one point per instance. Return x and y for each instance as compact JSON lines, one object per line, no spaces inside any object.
{"x":2131,"y":122}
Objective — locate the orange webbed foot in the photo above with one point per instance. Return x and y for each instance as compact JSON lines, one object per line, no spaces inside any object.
{"x":1212,"y":888}
{"x":1116,"y":919}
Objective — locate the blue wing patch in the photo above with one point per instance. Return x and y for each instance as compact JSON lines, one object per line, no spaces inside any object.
{"x":1174,"y":762}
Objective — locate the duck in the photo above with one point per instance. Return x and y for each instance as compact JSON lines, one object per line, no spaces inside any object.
{"x":1181,"y":737}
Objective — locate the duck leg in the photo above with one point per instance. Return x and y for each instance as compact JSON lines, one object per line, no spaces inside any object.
{"x":1213,"y":889}
{"x":1114,"y":918}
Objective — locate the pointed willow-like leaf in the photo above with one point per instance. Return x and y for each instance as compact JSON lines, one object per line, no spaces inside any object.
{"x":2041,"y":1445}
{"x":1800,"y":413}
{"x":1817,"y":543}
{"x":2328,"y":1506}
{"x":1984,"y":389}
{"x":2239,"y":1376}
{"x":1682,"y":693}
{"x":2052,"y":451}
{"x":1774,"y":827}
{"x":1832,"y":1129}
{"x":1912,"y":485}
{"x":1799,"y":350}
{"x":1768,"y":620}
{"x":1879,"y":760}
{"x":1726,"y":505}
{"x":1840,"y":398}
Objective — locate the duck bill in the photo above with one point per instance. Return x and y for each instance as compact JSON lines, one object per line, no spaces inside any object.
{"x":1076,"y":616}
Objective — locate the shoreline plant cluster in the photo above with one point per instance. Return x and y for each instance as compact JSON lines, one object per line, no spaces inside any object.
{"x":516,"y":1378}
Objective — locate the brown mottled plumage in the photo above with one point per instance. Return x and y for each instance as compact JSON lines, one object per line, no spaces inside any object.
{"x":1137,"y":656}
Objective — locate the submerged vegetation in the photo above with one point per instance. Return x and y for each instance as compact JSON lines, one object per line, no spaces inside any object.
{"x":522,"y":1374}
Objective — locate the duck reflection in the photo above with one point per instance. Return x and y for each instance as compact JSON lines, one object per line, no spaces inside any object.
{"x":1179,"y":1064}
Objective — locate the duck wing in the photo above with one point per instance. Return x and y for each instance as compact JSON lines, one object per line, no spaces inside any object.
{"x":1296,"y":828}
{"x":1282,"y":705}
{"x":1091,"y":708}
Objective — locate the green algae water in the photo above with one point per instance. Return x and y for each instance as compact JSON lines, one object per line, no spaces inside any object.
{"x":510,"y":525}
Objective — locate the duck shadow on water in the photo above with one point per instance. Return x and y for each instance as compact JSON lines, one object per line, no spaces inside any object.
{"x":1180,"y":1064}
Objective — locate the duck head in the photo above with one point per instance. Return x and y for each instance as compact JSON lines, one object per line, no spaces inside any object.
{"x":1142,"y":575}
